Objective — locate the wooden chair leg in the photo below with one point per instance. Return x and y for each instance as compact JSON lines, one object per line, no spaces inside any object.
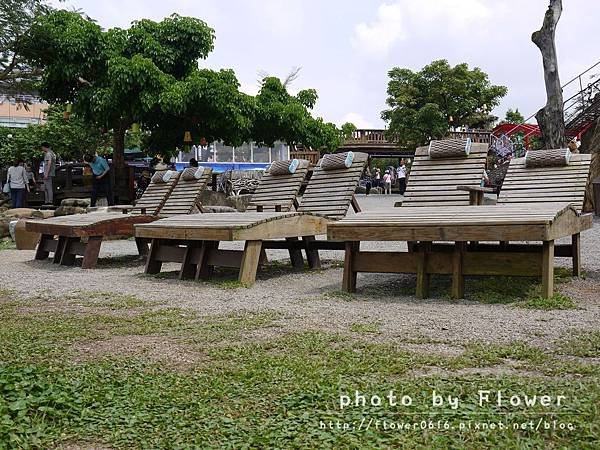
{"x":152,"y":264}
{"x":295,"y":254}
{"x":422,"y":275}
{"x":263,"y":260}
{"x":576,"y":241}
{"x":188,"y":269}
{"x":312,"y":254}
{"x":458,"y":280}
{"x":60,"y":245}
{"x":548,"y":269}
{"x":67,"y":257}
{"x":41,"y":252}
{"x":142,"y":246}
{"x":203,"y":270}
{"x":92,"y":249}
{"x":349,"y":278}
{"x":250,"y":260}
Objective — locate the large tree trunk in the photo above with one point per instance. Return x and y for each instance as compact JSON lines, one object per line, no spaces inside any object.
{"x":119,"y":144}
{"x":594,"y":149}
{"x":551,"y":117}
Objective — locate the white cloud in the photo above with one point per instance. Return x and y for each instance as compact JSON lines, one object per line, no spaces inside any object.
{"x":377,"y":37}
{"x":408,"y":18}
{"x":357,"y":119}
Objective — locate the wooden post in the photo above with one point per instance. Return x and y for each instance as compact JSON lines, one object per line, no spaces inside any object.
{"x":90,"y":255}
{"x":188,"y":269}
{"x":458,"y":280}
{"x":41,"y":252}
{"x":355,"y":205}
{"x":250,"y":260}
{"x":153,"y":265}
{"x":422,"y":275}
{"x":142,"y":246}
{"x":548,"y":269}
{"x":551,"y":117}
{"x":349,"y":278}
{"x":60,"y":245}
{"x":576,"y":249}
{"x":312,"y":254}
{"x":295,"y":253}
{"x":67,"y":257}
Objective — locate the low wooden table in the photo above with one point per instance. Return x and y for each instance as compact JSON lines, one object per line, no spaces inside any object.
{"x":194,"y":240}
{"x":460,"y":225}
{"x":82,"y":234}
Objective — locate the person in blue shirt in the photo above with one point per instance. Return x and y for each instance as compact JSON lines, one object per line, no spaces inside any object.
{"x":101,"y":178}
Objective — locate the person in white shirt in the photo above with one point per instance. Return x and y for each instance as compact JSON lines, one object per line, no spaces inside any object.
{"x":401,"y":172}
{"x":19,"y":184}
{"x":387,"y":182}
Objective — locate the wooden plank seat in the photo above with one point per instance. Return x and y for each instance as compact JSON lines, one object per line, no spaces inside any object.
{"x":525,"y":186}
{"x":434,"y":181}
{"x":82,"y":234}
{"x":194,"y":240}
{"x":328,"y":196}
{"x":458,"y":224}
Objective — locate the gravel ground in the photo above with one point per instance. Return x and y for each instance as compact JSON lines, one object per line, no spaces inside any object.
{"x":311,"y":300}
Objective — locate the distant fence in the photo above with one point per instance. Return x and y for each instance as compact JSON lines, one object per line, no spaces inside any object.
{"x":378,"y":136}
{"x":310,"y":155}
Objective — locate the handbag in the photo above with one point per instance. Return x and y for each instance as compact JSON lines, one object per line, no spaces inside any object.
{"x":6,"y":187}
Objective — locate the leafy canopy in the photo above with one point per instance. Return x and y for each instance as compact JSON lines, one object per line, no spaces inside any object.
{"x":514,"y":116}
{"x":17,"y":75}
{"x":423,"y":104}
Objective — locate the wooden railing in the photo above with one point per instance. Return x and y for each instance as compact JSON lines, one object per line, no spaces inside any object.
{"x":310,"y":155}
{"x":378,"y":136}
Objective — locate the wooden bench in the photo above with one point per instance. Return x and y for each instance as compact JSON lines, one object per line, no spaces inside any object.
{"x":328,"y":196}
{"x":458,"y":224}
{"x":81,"y":235}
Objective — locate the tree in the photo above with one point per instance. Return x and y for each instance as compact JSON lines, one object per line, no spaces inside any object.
{"x":423,"y":104}
{"x":514,"y":116}
{"x":551,"y":118}
{"x":68,"y":138}
{"x":115,"y":78}
{"x":17,"y":75}
{"x":279,"y":116}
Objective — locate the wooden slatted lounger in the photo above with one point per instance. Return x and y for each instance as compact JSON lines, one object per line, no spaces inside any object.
{"x":436,"y":181}
{"x":525,"y":186}
{"x":82,"y":234}
{"x":194,"y":240}
{"x":546,"y":223}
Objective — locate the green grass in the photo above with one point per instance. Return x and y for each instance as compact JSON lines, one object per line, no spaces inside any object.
{"x":278,"y":392}
{"x":7,"y":244}
{"x":339,"y":295}
{"x":109,"y":300}
{"x":557,"y":301}
{"x":585,"y":345}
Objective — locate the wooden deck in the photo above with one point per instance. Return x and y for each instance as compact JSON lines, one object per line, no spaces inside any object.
{"x":459,"y":224}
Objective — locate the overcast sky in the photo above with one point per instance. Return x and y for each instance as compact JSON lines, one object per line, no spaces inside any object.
{"x":345,"y":48}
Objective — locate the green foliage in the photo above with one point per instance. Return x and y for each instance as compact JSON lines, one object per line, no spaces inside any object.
{"x":347,"y":129}
{"x":17,"y":75}
{"x":421,"y":104}
{"x":70,"y":139}
{"x":514,"y":116}
{"x":280,"y":116}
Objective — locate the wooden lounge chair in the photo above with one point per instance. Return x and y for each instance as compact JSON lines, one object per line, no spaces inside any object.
{"x":194,"y":240}
{"x":82,"y":234}
{"x":459,"y":224}
{"x":435,"y":181}
{"x":531,"y":186}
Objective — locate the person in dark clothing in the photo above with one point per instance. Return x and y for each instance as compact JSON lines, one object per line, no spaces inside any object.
{"x":101,"y":178}
{"x":193,"y":162}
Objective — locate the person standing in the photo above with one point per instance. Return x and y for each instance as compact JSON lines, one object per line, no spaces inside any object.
{"x":49,"y":173}
{"x":387,"y":182}
{"x":401,"y":173}
{"x":101,"y":178}
{"x":19,"y":184}
{"x":377,"y":182}
{"x":368,"y":181}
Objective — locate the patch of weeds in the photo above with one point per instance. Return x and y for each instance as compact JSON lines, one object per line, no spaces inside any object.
{"x":228,"y":284}
{"x":585,"y":345}
{"x":557,"y":301}
{"x":7,"y":244}
{"x":339,"y":295}
{"x":110,"y":300}
{"x":499,"y":289}
{"x":482,"y":355}
{"x":365,"y":328}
